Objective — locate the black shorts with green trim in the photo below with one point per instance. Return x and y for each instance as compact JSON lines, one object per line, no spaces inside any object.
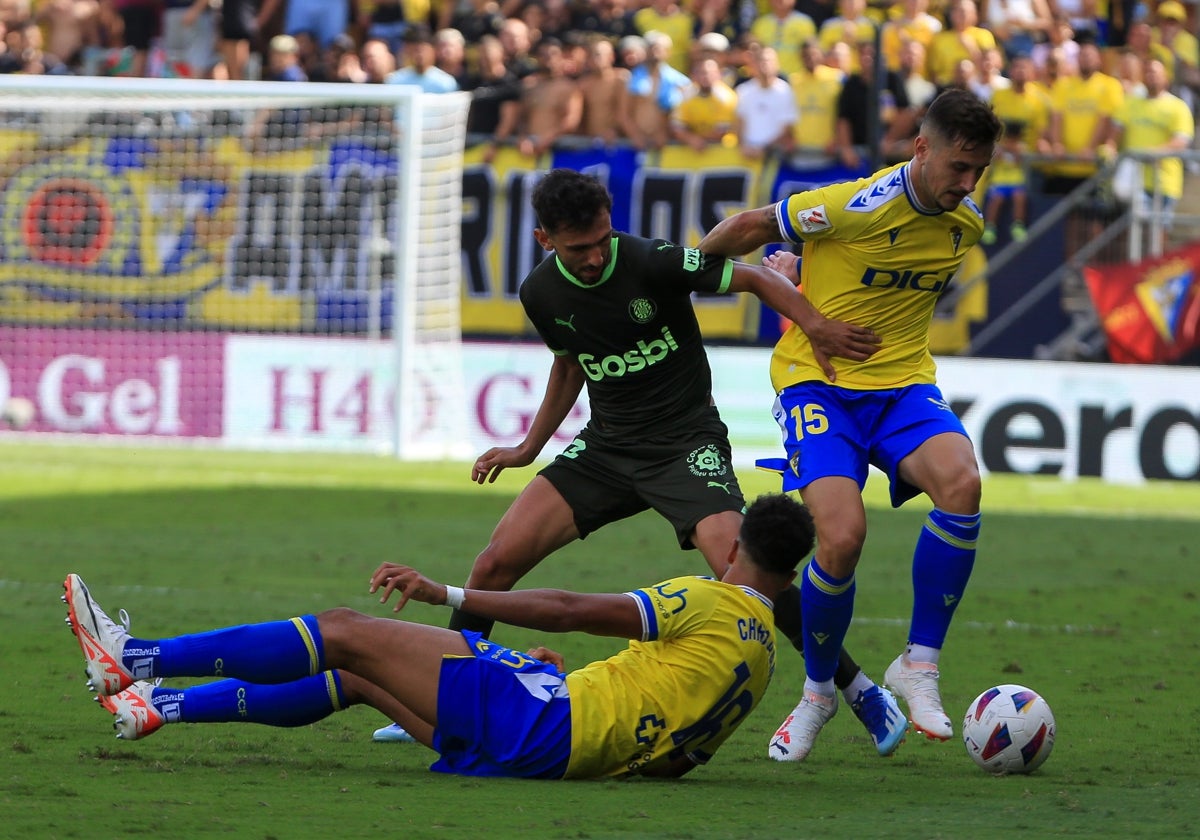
{"x":686,"y":478}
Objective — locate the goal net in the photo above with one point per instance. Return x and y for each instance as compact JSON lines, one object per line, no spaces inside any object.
{"x":256,"y":265}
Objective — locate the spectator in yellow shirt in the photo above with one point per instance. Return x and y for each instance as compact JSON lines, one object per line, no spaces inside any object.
{"x":784,"y":29}
{"x":816,"y":86}
{"x":707,"y":114}
{"x":911,"y":23}
{"x":1172,"y":34}
{"x":1081,"y":120}
{"x":851,"y":26}
{"x":667,"y":17}
{"x":1160,"y":122}
{"x":963,"y":40}
{"x":1024,"y":109}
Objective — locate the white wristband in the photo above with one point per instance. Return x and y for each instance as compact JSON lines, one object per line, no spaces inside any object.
{"x":454,"y":597}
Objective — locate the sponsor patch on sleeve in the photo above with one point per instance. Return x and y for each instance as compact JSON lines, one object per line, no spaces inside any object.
{"x":813,"y":219}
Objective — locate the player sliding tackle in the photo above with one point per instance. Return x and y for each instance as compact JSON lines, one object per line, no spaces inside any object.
{"x":878,"y":252}
{"x":616,"y":312}
{"x":702,"y":654}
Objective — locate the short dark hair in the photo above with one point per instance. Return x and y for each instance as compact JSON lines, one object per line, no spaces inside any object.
{"x":417,"y":34}
{"x":960,"y":116}
{"x":777,"y":533}
{"x":568,"y":200}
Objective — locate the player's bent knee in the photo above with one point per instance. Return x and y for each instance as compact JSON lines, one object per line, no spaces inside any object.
{"x":494,"y":571}
{"x":839,"y":549}
{"x":340,"y":626}
{"x":962,"y":494}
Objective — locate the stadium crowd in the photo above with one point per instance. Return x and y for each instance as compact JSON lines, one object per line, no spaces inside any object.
{"x":847,"y":80}
{"x":787,"y":75}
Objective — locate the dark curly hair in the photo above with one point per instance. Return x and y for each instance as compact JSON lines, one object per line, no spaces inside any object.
{"x":777,"y":533}
{"x":568,"y":200}
{"x":962,"y":117}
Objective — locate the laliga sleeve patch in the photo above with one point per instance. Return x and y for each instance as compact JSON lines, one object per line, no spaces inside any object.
{"x":813,"y":219}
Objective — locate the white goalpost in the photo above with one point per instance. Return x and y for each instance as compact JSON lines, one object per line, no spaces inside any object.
{"x":257,"y":265}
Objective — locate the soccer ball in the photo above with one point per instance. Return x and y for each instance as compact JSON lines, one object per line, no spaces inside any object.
{"x":1009,"y":729}
{"x":18,"y":413}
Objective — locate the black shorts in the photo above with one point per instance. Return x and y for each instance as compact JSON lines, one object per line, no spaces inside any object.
{"x":238,"y":20}
{"x":685,"y":479}
{"x":141,"y":25}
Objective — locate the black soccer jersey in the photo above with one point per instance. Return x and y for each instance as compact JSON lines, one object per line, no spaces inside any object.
{"x":634,"y":332}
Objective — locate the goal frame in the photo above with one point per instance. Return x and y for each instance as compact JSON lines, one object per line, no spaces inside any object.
{"x":425,"y":336}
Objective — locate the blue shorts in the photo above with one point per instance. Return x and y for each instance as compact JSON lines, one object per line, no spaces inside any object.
{"x":501,"y":713}
{"x":844,"y":432}
{"x":1005,"y":190}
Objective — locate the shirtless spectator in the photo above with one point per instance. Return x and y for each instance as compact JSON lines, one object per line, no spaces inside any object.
{"x":655,"y":90}
{"x":70,"y":26}
{"x":604,"y":87}
{"x":551,"y":102}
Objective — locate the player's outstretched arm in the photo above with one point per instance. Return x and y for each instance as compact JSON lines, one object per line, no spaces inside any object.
{"x":742,"y":233}
{"x":829,"y":338}
{"x":562,"y":389}
{"x":552,"y":610}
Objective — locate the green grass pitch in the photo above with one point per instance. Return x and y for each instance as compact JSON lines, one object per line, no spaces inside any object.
{"x":1085,"y":592}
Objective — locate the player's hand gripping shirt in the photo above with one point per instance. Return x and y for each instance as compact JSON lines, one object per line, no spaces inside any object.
{"x":633,"y":332}
{"x":872,"y":257}
{"x":705,"y":659}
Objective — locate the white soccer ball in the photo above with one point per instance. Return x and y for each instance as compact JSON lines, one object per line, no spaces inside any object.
{"x":19,"y":413}
{"x":1009,"y":729}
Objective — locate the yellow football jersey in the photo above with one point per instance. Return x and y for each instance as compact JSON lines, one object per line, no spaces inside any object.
{"x":1027,"y":112}
{"x":678,"y":25}
{"x":705,"y":660}
{"x":1150,"y":124}
{"x":704,"y":114}
{"x":1081,"y":105}
{"x":945,"y":51}
{"x":873,"y":257}
{"x":786,"y":37}
{"x":816,"y":100}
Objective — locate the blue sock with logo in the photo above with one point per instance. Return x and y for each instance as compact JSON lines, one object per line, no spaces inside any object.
{"x":273,"y":652}
{"x":942,"y":564}
{"x":295,"y":703}
{"x":828,"y":604}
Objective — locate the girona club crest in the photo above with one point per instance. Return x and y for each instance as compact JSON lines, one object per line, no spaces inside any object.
{"x":707,"y":462}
